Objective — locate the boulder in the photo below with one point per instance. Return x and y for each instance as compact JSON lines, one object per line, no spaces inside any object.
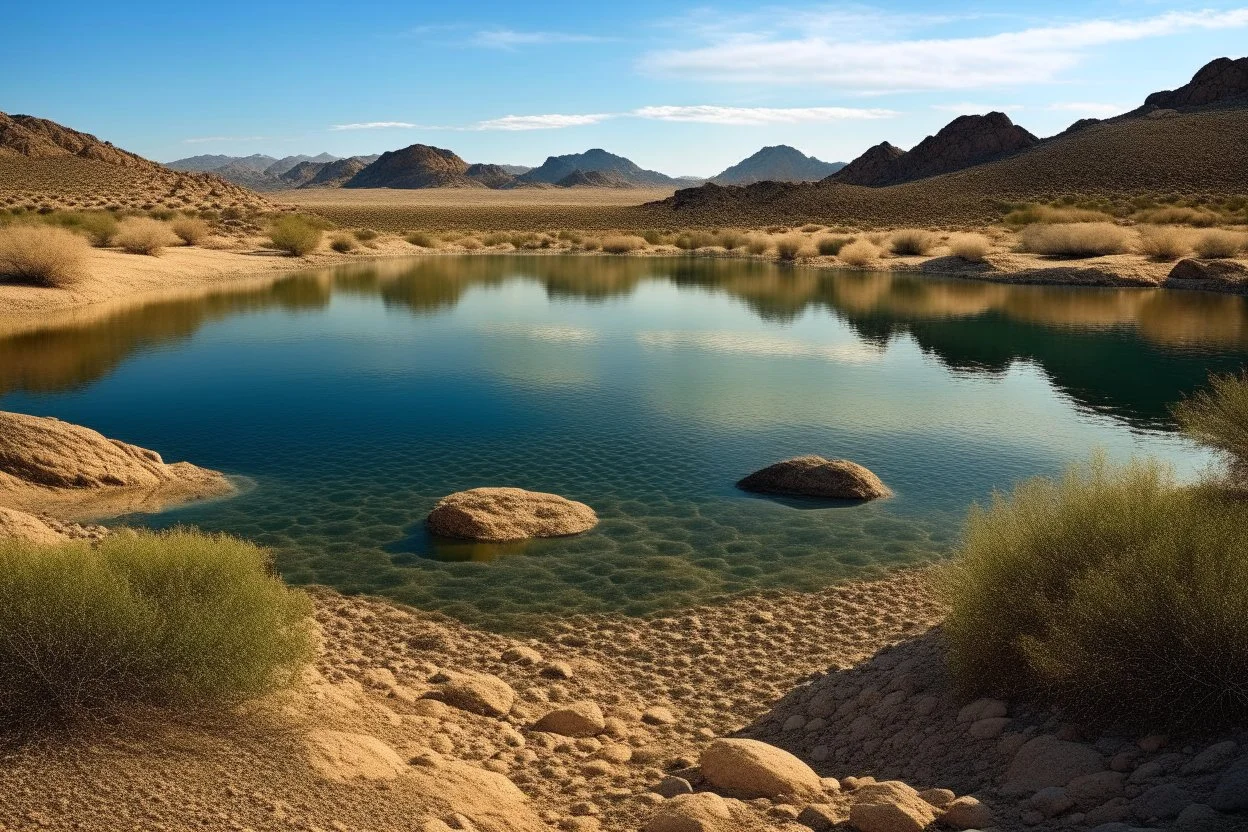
{"x":702,"y":812}
{"x":1161,"y":802}
{"x":342,"y":757}
{"x":967,"y":813}
{"x":1231,"y":793}
{"x":756,"y":769}
{"x":579,"y":719}
{"x":27,"y":527}
{"x":1047,"y":761}
{"x":479,"y":693}
{"x":814,"y":476}
{"x":890,"y":806}
{"x":1219,"y":271}
{"x":503,"y":514}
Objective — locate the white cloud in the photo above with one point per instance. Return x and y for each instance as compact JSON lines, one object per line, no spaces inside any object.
{"x":967,"y":108}
{"x":1025,"y":57}
{"x":204,"y":139}
{"x":551,"y":121}
{"x":374,"y":125}
{"x":511,"y":39}
{"x":709,"y":114}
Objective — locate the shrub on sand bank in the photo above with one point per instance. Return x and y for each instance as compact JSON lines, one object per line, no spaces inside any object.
{"x":758,"y":245}
{"x":422,"y":239}
{"x":144,"y":235}
{"x":1219,"y":243}
{"x":1165,"y":242}
{"x":732,"y":240}
{"x":41,"y":255}
{"x":1113,"y":593}
{"x":1218,"y":417}
{"x":620,"y":244}
{"x":831,"y":246}
{"x":912,"y":241}
{"x":295,"y":235}
{"x":970,"y":247}
{"x":1031,"y":214}
{"x":1090,"y":239}
{"x":343,"y":243}
{"x":791,"y":247}
{"x":191,"y":230}
{"x":177,"y":620}
{"x":859,"y":253}
{"x":100,"y":227}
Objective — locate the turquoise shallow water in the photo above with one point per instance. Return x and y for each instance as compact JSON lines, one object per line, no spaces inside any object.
{"x":353,"y":399}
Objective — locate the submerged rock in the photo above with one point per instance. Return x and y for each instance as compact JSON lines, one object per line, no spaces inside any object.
{"x":814,"y":476}
{"x":502,"y":514}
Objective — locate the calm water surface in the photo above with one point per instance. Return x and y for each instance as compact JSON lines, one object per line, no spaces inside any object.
{"x":353,"y":399}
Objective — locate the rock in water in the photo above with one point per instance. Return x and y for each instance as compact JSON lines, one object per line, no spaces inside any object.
{"x":756,"y":769}
{"x":501,"y":514}
{"x":814,"y":476}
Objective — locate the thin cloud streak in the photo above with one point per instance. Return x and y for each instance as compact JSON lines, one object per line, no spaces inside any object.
{"x":375,"y":125}
{"x":748,"y":116}
{"x":511,"y":39}
{"x":1022,"y":58}
{"x":551,"y":121}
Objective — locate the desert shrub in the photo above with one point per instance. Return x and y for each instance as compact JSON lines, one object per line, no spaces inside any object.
{"x":162,"y":214}
{"x":970,"y":247}
{"x":621,"y":244}
{"x":1218,"y":243}
{"x":343,"y":243}
{"x":1218,"y":417}
{"x":366,"y":235}
{"x":859,"y":253}
{"x":693,"y":240}
{"x":758,"y":245}
{"x":470,"y":243}
{"x":1112,"y":593}
{"x":790,"y":247}
{"x":1091,"y":239}
{"x":496,"y":238}
{"x":652,"y":236}
{"x":1177,"y":215}
{"x":190,"y":229}
{"x":173,"y":620}
{"x":831,"y":246}
{"x":1032,"y":214}
{"x":41,"y":255}
{"x":1165,"y":242}
{"x":731,"y":240}
{"x":144,"y":235}
{"x":912,"y":241}
{"x":295,"y":235}
{"x":422,"y":239}
{"x":100,"y":227}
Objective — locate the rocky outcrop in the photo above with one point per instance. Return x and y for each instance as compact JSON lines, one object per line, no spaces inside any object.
{"x":873,"y":167}
{"x":503,"y":514}
{"x":578,"y":719}
{"x":321,"y":174}
{"x":1223,"y":272}
{"x":491,"y":176}
{"x":415,"y":166}
{"x":478,"y":693}
{"x":45,"y":462}
{"x":44,"y":530}
{"x":965,"y":141}
{"x":814,"y":476}
{"x":556,"y":168}
{"x":1220,"y":82}
{"x":593,"y":179}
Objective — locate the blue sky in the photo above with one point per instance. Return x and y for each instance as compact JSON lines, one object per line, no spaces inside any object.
{"x":686,"y":89}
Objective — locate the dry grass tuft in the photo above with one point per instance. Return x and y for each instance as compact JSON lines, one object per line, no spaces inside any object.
{"x":1177,"y":215}
{"x":791,"y":247}
{"x":1033,"y":214}
{"x":144,"y":235}
{"x":622,"y":244}
{"x":912,"y":241}
{"x":859,"y":253}
{"x":343,"y":243}
{"x":41,"y":255}
{"x":831,"y":246}
{"x":1218,"y":244}
{"x":973,"y":248}
{"x":732,"y":240}
{"x":1165,"y":242}
{"x":422,"y":239}
{"x":758,"y":245}
{"x":297,"y":236}
{"x":1091,"y":239}
{"x":191,"y":230}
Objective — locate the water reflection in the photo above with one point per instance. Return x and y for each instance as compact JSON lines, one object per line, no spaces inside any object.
{"x":1123,"y":352}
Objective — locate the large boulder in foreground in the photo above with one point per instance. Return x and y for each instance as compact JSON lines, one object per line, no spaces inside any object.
{"x":814,"y":476}
{"x":497,"y":515}
{"x":755,"y":769}
{"x":1216,"y":271}
{"x":47,"y":464}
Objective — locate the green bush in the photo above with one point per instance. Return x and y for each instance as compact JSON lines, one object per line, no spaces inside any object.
{"x":1113,"y":593}
{"x":177,"y":620}
{"x":343,"y":243}
{"x":100,"y":227}
{"x":422,"y":239}
{"x":1218,"y":417}
{"x":295,"y":235}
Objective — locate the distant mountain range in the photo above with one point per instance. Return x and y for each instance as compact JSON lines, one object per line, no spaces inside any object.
{"x":267,"y":173}
{"x":779,"y":163}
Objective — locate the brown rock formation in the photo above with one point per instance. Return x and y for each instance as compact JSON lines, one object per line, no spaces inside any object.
{"x":1222,"y":81}
{"x":873,"y":167}
{"x":501,"y":514}
{"x":814,"y":476}
{"x":415,"y":166}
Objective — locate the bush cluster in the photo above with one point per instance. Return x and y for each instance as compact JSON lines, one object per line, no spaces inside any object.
{"x":41,"y":255}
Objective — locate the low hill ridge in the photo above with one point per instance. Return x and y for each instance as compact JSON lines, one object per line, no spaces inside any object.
{"x":598,"y":160}
{"x":778,"y":163}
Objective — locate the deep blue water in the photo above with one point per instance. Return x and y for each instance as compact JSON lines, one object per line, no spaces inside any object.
{"x":352,"y":400}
